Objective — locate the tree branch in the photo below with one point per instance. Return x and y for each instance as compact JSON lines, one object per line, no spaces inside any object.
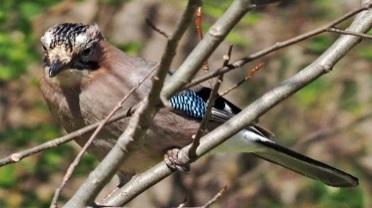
{"x":277,"y":46}
{"x":339,"y":31}
{"x":321,"y":66}
{"x":18,"y":156}
{"x":206,"y":46}
{"x":217,"y":196}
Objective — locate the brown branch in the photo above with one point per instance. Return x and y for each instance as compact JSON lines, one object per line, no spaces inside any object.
{"x":153,"y":26}
{"x":199,"y":30}
{"x":212,"y":98}
{"x":203,"y":124}
{"x":215,"y":198}
{"x":339,"y":31}
{"x":198,"y":22}
{"x":278,"y":45}
{"x":210,"y":202}
{"x":328,"y":132}
{"x":227,"y":57}
{"x":319,"y":67}
{"x":102,"y":123}
{"x":248,"y":76}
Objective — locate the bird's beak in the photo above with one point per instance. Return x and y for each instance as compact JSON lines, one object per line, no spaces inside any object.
{"x":55,"y":68}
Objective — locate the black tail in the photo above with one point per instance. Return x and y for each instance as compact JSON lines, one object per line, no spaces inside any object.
{"x":304,"y":165}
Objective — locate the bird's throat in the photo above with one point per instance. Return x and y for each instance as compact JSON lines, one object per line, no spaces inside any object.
{"x":68,"y":78}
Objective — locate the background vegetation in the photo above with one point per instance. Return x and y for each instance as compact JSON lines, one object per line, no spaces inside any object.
{"x":329,"y":120}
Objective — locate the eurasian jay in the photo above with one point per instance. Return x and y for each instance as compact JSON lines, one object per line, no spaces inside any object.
{"x":85,"y":77}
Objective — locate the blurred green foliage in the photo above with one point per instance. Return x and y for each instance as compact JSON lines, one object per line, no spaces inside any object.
{"x":7,"y":176}
{"x":214,"y":9}
{"x":319,"y":44}
{"x":335,"y":197}
{"x":309,"y":97}
{"x":17,"y":45}
{"x":131,"y":48}
{"x":365,"y":51}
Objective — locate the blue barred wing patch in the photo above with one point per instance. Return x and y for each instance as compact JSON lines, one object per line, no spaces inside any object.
{"x":189,"y":103}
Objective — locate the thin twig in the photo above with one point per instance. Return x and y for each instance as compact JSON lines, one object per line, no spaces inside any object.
{"x":212,"y":98}
{"x":215,"y":198}
{"x":329,"y":132}
{"x":215,"y":35}
{"x":278,"y":45}
{"x":153,"y":26}
{"x":199,"y":30}
{"x":227,"y":57}
{"x":203,"y":124}
{"x":344,"y":32}
{"x":77,"y":159}
{"x":18,"y":156}
{"x":198,"y":22}
{"x":248,"y":76}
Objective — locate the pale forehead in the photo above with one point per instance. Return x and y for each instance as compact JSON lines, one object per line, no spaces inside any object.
{"x":70,"y":35}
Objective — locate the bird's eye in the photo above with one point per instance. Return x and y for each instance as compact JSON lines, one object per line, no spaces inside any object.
{"x":44,"y":48}
{"x":86,"y":52}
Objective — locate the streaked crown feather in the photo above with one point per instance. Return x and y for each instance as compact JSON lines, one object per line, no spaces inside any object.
{"x":71,"y":35}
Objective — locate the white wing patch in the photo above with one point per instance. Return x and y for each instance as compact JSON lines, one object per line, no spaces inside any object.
{"x":243,"y":141}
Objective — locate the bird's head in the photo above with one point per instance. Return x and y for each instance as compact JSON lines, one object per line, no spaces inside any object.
{"x":71,"y":47}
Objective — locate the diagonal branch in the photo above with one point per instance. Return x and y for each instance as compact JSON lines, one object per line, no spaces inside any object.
{"x":277,"y":46}
{"x":102,"y":123}
{"x":216,"y":197}
{"x":247,"y":77}
{"x":18,"y":156}
{"x":344,"y":32}
{"x":321,"y":66}
{"x":203,"y":124}
{"x":140,"y":121}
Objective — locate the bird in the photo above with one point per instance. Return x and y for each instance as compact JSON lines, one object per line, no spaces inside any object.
{"x":85,"y":76}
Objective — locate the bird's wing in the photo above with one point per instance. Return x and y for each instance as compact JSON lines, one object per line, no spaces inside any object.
{"x":257,"y":140}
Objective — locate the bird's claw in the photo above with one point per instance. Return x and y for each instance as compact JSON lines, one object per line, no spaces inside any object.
{"x":173,"y":162}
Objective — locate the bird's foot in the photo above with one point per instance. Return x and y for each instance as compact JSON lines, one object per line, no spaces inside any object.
{"x":172,"y":160}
